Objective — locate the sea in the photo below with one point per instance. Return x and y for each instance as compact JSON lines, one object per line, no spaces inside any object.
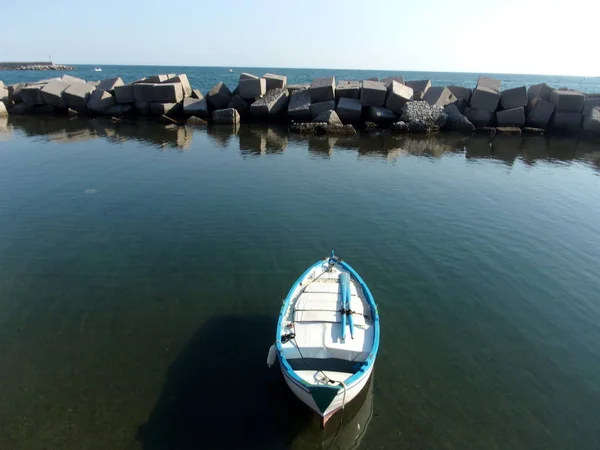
{"x":143,"y":266}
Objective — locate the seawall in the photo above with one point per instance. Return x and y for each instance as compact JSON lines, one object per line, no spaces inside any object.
{"x":325,"y":106}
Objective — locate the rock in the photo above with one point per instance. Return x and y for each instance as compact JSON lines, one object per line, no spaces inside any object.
{"x":461,"y":104}
{"x":299,"y":106}
{"x":387,"y":82}
{"x":541,"y":90}
{"x":3,"y":110}
{"x":119,"y":110}
{"x":479,"y":117}
{"x":273,"y":103}
{"x":400,"y":127}
{"x":318,"y":108}
{"x":347,"y":89}
{"x":322,"y":90}
{"x":142,"y":108}
{"x":328,"y":117}
{"x":486,"y":131}
{"x":485,"y":99}
{"x":423,"y":128}
{"x":32,"y":94}
{"x":419,"y":87}
{"x":349,"y":110}
{"x":461,"y":92}
{"x":540,"y":113}
{"x":219,"y":96}
{"x":591,"y":120}
{"x":275,"y":81}
{"x":228,"y":116}
{"x":398,"y":95}
{"x":419,"y":114}
{"x":456,"y":121}
{"x":100,"y":100}
{"x":70,"y":80}
{"x":590,"y":103}
{"x":534,"y":131}
{"x":380,"y":115}
{"x":109,"y":84}
{"x":240,"y":105}
{"x":125,"y":94}
{"x":195,"y":107}
{"x":490,"y":83}
{"x":313,"y":128}
{"x":77,"y":95}
{"x":514,"y":117}
{"x":14,"y":92}
{"x":167,"y":120}
{"x":196,"y":121}
{"x":373,"y":93}
{"x":158,"y":92}
{"x":439,"y":96}
{"x":567,"y":121}
{"x":196,"y":93}
{"x":185,"y":83}
{"x":21,"y":108}
{"x":251,"y":88}
{"x":514,"y":131}
{"x":567,"y":101}
{"x":513,"y":98}
{"x":52,"y":93}
{"x":371,"y":126}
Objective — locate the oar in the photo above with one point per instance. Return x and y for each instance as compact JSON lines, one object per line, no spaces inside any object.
{"x":344,"y":282}
{"x":349,"y":311}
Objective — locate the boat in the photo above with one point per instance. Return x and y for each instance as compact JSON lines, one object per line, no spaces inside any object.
{"x":327,"y":336}
{"x":97,"y":69}
{"x":230,"y":70}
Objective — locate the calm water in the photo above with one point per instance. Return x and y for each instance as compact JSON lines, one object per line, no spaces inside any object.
{"x":142,"y":269}
{"x":204,"y":78}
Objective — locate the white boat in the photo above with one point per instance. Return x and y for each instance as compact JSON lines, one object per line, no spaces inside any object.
{"x":97,"y":69}
{"x":230,"y":70}
{"x":327,"y":336}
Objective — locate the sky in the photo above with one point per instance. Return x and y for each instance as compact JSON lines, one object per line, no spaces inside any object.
{"x":510,"y":36}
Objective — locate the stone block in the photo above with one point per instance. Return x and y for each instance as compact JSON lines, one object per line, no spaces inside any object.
{"x":195,"y":107}
{"x":373,"y":79}
{"x":461,"y":92}
{"x":321,"y":107}
{"x":590,"y":103}
{"x":514,"y":117}
{"x":32,"y":94}
{"x":274,"y":102}
{"x":275,"y":81}
{"x":591,"y":120}
{"x":456,"y":121}
{"x":185,"y":83}
{"x":440,"y":96}
{"x":165,"y":109}
{"x":373,"y":93}
{"x":398,"y":95}
{"x":158,"y":92}
{"x":247,"y":76}
{"x":480,"y":117}
{"x":540,"y":113}
{"x":541,"y":90}
{"x":461,"y":104}
{"x":349,"y":110}
{"x":14,"y":92}
{"x":381,"y":115}
{"x":77,"y":95}
{"x":21,"y":108}
{"x":109,"y":84}
{"x":485,"y":99}
{"x":119,"y":110}
{"x":490,"y":83}
{"x":388,"y":80}
{"x":297,"y":87}
{"x":299,"y":106}
{"x":567,"y":100}
{"x":567,"y":121}
{"x":4,"y":95}
{"x":240,"y":105}
{"x":3,"y":110}
{"x":219,"y":96}
{"x":196,"y":93}
{"x":125,"y":94}
{"x":347,"y":89}
{"x":100,"y":100}
{"x":328,"y":117}
{"x":227,"y":116}
{"x":70,"y":80}
{"x":52,"y":93}
{"x":143,"y":108}
{"x":251,"y":88}
{"x":419,"y":87}
{"x":322,"y":90}
{"x":513,"y":98}
{"x":155,"y":79}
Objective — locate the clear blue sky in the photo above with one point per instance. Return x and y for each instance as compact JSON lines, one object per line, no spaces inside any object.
{"x":512,"y":36}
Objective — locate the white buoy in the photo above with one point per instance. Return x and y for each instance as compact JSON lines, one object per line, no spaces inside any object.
{"x":272,"y":355}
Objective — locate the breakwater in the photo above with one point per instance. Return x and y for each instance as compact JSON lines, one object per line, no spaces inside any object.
{"x":325,"y":106}
{"x":34,"y":66}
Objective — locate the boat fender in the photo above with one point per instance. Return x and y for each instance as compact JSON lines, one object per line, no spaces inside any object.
{"x":272,"y":355}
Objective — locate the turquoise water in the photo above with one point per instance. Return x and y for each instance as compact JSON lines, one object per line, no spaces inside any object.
{"x":204,"y":78}
{"x":142,"y":269}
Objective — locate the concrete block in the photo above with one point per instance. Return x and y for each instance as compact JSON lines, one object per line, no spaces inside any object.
{"x":21,"y":108}
{"x":513,"y":98}
{"x":52,"y":93}
{"x":155,"y":79}
{"x":251,"y":88}
{"x":185,"y":83}
{"x":440,"y":96}
{"x":567,"y":101}
{"x":32,"y":94}
{"x":275,"y":81}
{"x":274,"y":102}
{"x":109,"y":84}
{"x":317,"y":108}
{"x":143,"y":108}
{"x":541,"y":90}
{"x":125,"y":94}
{"x":119,"y":110}
{"x":381,"y":115}
{"x":158,"y":92}
{"x":349,"y":110}
{"x":540,"y":113}
{"x":567,"y":121}
{"x":347,"y":89}
{"x":226,"y":116}
{"x":328,"y":117}
{"x":195,"y":107}
{"x":485,"y":99}
{"x":247,"y":76}
{"x":591,"y":120}
{"x":388,"y":80}
{"x":456,"y":121}
{"x":297,"y":87}
{"x":480,"y":117}
{"x":100,"y":100}
{"x":299,"y":106}
{"x":77,"y":95}
{"x":219,"y":96}
{"x":14,"y":92}
{"x":70,"y":80}
{"x":461,"y":104}
{"x":196,"y":121}
{"x":240,"y":105}
{"x":373,"y":79}
{"x":514,"y":117}
{"x":398,"y":95}
{"x":490,"y":83}
{"x":461,"y":92}
{"x":373,"y":93}
{"x":4,"y":95}
{"x":3,"y":110}
{"x":322,"y":90}
{"x":590,"y":103}
{"x":419,"y":87}
{"x":196,"y":93}
{"x":165,"y":109}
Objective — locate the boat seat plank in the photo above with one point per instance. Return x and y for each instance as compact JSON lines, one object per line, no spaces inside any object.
{"x":327,"y":302}
{"x":316,"y":377}
{"x":325,"y":316}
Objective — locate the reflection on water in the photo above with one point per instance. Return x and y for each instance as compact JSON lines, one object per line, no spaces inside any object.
{"x":259,"y":140}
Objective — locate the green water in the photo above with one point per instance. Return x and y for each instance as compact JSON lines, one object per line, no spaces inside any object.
{"x":142,"y":269}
